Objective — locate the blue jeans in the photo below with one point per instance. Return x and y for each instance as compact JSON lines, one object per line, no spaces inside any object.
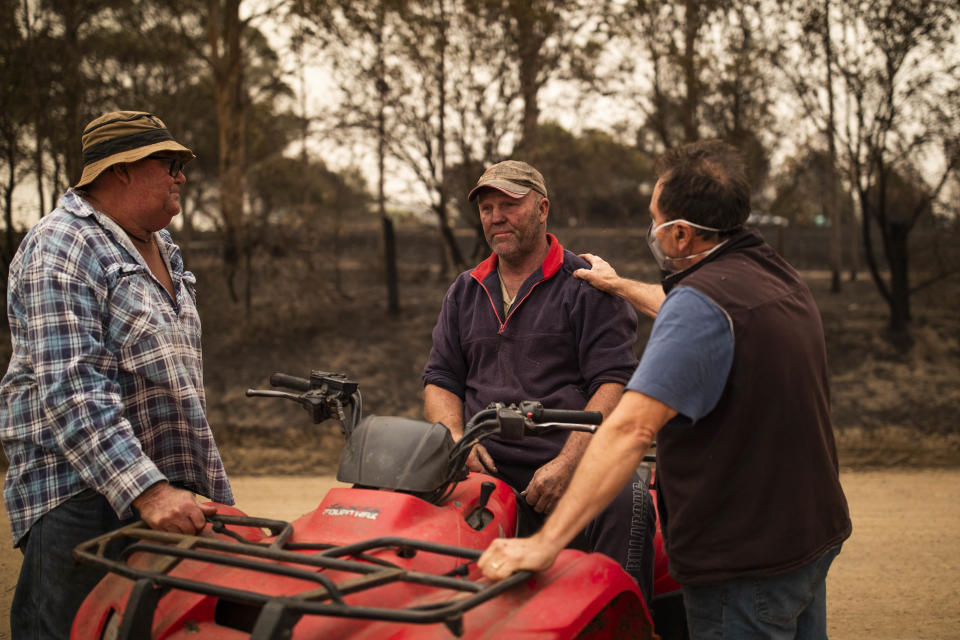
{"x":792,"y":605}
{"x":51,"y":586}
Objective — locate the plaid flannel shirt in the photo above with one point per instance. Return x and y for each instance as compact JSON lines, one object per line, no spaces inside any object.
{"x":105,"y":385}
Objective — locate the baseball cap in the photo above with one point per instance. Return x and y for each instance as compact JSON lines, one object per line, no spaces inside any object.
{"x":512,"y":177}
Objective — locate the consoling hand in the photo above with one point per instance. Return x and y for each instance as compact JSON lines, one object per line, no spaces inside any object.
{"x":600,"y":274}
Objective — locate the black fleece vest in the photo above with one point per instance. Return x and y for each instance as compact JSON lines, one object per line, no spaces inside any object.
{"x":752,"y":489}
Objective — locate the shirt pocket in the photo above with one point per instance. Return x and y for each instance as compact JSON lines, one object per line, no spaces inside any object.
{"x":152,"y":342}
{"x":142,"y":327}
{"x":134,"y":306}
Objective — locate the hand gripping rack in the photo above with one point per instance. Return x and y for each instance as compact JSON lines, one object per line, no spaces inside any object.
{"x":278,"y":614}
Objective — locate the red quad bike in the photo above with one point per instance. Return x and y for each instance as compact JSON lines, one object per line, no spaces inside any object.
{"x":392,"y":556}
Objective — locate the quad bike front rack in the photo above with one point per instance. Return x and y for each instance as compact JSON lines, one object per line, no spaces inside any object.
{"x":273,"y":617}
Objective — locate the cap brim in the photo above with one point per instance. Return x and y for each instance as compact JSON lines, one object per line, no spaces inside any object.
{"x":94,"y":169}
{"x":506,"y":187}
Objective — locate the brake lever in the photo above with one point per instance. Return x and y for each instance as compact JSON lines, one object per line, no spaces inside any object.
{"x":270,"y":393}
{"x":314,"y":401}
{"x":566,"y":426}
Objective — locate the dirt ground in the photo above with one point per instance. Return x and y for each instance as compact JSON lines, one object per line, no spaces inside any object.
{"x":898,"y":576}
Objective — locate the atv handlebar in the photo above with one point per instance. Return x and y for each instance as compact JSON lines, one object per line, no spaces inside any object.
{"x":324,"y":391}
{"x":539,"y":415}
{"x":290,"y":382}
{"x":325,"y":394}
{"x":513,"y":422}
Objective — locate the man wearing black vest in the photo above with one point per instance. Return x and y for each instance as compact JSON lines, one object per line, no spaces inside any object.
{"x":733,"y":385}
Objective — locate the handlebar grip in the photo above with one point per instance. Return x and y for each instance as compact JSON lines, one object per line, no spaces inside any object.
{"x":567,"y":415}
{"x":290,"y":382}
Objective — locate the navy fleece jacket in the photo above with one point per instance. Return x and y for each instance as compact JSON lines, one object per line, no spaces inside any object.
{"x":561,"y":340}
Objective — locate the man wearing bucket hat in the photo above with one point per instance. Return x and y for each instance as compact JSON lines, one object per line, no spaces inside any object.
{"x":102,"y":409}
{"x":519,"y":326}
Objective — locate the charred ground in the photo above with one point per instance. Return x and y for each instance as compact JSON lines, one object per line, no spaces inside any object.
{"x":308,"y":312}
{"x":890,"y":407}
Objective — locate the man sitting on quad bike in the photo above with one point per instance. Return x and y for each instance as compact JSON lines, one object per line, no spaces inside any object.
{"x":519,"y":326}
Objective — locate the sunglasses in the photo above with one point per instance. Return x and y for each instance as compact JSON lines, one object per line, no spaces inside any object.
{"x":176,"y":164}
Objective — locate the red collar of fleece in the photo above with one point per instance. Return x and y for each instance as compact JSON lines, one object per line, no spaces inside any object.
{"x":551,"y":264}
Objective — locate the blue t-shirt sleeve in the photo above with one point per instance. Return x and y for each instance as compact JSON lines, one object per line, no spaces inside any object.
{"x":688,"y":356}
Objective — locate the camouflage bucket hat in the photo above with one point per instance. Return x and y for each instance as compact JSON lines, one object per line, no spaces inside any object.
{"x":125,"y":136}
{"x":512,"y":177}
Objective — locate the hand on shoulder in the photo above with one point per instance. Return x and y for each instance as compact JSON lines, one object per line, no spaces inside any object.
{"x":601,"y":274}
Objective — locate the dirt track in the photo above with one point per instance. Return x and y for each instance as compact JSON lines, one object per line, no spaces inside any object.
{"x":898,"y":577}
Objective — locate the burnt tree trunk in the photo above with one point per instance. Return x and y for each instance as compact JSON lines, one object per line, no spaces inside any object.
{"x":895,"y":241}
{"x":530,"y":36}
{"x":223,"y":35}
{"x":389,"y":236}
